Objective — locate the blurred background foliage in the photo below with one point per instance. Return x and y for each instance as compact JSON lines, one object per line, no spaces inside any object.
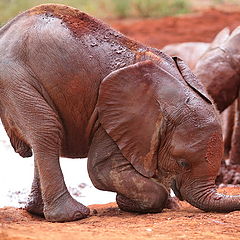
{"x":110,"y":8}
{"x":102,"y":8}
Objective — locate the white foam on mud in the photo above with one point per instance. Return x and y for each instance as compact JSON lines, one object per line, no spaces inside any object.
{"x":16,"y":176}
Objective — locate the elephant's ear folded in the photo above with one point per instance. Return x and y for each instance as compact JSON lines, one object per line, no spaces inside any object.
{"x":129,"y":111}
{"x":191,"y":79}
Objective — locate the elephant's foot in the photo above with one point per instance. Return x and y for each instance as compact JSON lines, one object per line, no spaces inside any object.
{"x":172,"y":203}
{"x":129,"y":205}
{"x":65,"y":209}
{"x":35,"y":204}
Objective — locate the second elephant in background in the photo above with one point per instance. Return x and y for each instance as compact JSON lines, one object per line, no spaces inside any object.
{"x":190,"y":52}
{"x":217,"y":66}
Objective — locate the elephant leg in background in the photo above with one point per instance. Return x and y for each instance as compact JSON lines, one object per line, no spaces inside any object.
{"x":35,"y":202}
{"x":228,"y":117}
{"x":110,"y":171}
{"x":235,"y":145}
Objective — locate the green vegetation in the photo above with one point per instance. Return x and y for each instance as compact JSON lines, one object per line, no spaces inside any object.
{"x":102,"y":8}
{"x":109,"y":8}
{"x":226,"y":1}
{"x":160,"y":8}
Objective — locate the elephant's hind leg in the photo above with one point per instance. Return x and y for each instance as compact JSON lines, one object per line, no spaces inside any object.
{"x":35,"y":202}
{"x":110,"y":171}
{"x":43,"y":130}
{"x":58,"y":203}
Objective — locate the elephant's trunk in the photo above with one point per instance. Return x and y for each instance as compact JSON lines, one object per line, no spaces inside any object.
{"x":205,"y":197}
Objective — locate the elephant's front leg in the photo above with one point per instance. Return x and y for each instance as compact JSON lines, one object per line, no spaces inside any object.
{"x":109,"y":170}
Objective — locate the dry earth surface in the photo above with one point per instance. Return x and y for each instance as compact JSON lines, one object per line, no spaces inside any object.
{"x":107,"y":221}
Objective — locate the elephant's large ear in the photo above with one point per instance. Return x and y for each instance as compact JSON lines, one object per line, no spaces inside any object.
{"x":191,"y":79}
{"x":129,"y":111}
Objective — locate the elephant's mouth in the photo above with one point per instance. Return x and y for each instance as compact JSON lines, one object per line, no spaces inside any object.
{"x":176,"y":190}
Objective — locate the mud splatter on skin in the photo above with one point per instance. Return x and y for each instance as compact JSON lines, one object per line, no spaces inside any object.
{"x":76,"y":20}
{"x":80,"y":23}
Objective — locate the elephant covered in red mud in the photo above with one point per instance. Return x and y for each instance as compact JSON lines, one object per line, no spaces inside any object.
{"x":71,"y":86}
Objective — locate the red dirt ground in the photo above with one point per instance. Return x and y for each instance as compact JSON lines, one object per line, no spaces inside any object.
{"x":111,"y":223}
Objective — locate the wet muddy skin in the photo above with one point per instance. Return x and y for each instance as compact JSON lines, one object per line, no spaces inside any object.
{"x":107,"y":222}
{"x":138,"y":163}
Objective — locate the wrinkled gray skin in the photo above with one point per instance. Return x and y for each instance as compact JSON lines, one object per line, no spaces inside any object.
{"x":71,"y":86}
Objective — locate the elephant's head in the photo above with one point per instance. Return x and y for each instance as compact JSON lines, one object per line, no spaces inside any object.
{"x":218,"y":69}
{"x":165,"y":125}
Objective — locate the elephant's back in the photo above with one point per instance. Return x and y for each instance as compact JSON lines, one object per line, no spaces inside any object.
{"x":76,"y":21}
{"x":68,"y":53}
{"x":80,"y":24}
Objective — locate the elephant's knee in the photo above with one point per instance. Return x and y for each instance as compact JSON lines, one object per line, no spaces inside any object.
{"x":145,"y":202}
{"x":99,"y":175}
{"x":96,"y":179}
{"x":157,"y":202}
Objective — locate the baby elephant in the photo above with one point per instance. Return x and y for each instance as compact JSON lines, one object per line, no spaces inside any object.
{"x":71,"y":86}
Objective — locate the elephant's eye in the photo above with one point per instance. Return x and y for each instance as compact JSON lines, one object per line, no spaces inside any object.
{"x":183,"y":163}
